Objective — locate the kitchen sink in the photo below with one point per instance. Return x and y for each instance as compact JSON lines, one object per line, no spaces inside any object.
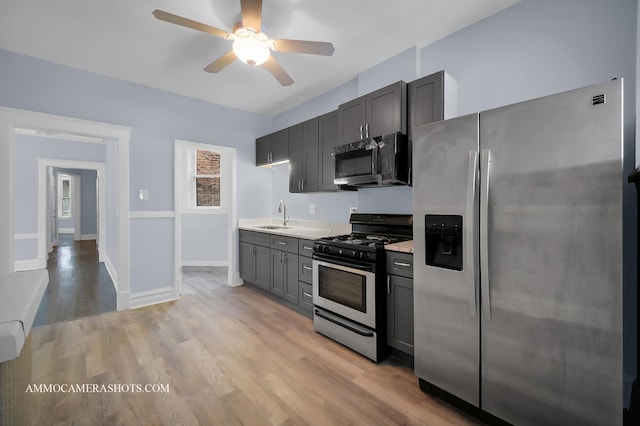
{"x":273,"y":227}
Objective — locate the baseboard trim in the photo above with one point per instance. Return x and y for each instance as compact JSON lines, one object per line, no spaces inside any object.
{"x":25,"y":237}
{"x":25,"y":265}
{"x":66,"y":231}
{"x":153,"y":297}
{"x":205,"y":263}
{"x":112,"y":272}
{"x":85,"y":237}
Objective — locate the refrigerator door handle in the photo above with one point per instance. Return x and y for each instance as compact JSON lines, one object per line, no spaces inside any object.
{"x":469,"y":254}
{"x":485,"y":177}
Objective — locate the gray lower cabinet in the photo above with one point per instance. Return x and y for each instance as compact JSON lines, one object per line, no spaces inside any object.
{"x":305,"y":277}
{"x":284,"y":275}
{"x":271,"y":262}
{"x":400,"y":301}
{"x":255,"y":265}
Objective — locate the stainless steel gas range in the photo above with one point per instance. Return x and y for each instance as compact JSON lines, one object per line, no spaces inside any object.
{"x":349,"y":282}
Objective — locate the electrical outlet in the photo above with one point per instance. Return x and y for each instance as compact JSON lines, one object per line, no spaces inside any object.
{"x":353,"y":210}
{"x":312,"y":209}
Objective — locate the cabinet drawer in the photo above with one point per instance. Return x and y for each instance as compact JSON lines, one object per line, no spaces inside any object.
{"x":305,"y":299}
{"x":288,"y":244}
{"x":257,"y":238}
{"x":305,"y":269}
{"x":400,"y":264}
{"x":305,"y":247}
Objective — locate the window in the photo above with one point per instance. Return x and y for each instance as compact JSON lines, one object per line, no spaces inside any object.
{"x":64,"y":196}
{"x":206,"y":180}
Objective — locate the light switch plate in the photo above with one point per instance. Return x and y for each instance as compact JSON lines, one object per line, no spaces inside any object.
{"x":143,"y":194}
{"x":353,"y":210}
{"x":312,"y":209}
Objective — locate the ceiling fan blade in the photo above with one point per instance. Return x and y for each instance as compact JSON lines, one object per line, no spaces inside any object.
{"x":251,"y":13}
{"x":303,"y":46}
{"x":179,"y":20}
{"x":278,"y":72}
{"x":221,"y":62}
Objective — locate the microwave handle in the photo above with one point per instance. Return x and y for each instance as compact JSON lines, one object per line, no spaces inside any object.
{"x":361,"y":132}
{"x":374,"y":161}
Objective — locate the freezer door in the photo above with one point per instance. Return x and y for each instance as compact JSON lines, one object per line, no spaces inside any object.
{"x":446,"y":311}
{"x":552,"y":294}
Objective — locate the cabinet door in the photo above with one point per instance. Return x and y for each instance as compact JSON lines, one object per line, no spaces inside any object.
{"x":351,"y":119}
{"x":400,"y":313}
{"x":296,"y":158}
{"x":247,"y":265}
{"x":386,"y":110}
{"x":264,"y":146}
{"x":426,"y":100}
{"x":425,"y":103}
{"x":262,"y":267}
{"x":310,"y":142}
{"x":328,"y":134}
{"x":278,"y":273}
{"x":280,"y":146}
{"x":291,"y":277}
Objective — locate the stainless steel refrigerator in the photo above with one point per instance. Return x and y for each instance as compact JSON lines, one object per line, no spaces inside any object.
{"x":518,"y":258}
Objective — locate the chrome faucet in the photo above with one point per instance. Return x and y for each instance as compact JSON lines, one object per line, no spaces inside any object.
{"x":282,"y":208}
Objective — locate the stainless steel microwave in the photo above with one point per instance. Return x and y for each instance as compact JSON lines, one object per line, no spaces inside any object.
{"x":377,"y":161}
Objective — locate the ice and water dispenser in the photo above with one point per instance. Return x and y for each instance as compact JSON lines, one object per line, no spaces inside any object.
{"x":443,"y":239}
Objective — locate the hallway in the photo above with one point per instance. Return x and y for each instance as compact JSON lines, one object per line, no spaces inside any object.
{"x":79,"y":286}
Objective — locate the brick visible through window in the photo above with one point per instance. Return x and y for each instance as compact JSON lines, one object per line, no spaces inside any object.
{"x":207,"y":179}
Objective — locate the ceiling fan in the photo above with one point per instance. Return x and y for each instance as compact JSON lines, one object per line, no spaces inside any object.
{"x":250,"y":44}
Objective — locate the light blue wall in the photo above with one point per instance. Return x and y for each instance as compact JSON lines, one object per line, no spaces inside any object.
{"x":204,"y":238}
{"x":88,"y":198}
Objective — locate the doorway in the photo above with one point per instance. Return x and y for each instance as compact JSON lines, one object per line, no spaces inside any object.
{"x":117,"y":139}
{"x":205,"y":233}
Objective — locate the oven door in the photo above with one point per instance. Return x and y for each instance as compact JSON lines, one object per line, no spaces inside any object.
{"x":345,"y":290}
{"x":356,"y":163}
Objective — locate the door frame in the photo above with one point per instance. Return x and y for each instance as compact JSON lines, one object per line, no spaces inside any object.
{"x":182,"y":146}
{"x":52,"y":125}
{"x":100,"y":168}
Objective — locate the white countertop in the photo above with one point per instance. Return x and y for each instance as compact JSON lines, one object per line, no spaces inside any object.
{"x":307,"y":229}
{"x":20,"y":297}
{"x":404,"y":246}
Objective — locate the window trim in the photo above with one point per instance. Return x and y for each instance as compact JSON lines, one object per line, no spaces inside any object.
{"x":59,"y":196}
{"x":193,"y":170}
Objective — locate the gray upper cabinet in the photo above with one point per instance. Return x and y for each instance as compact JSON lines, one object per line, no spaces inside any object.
{"x":431,"y":98}
{"x":328,"y":139}
{"x":303,"y":156}
{"x":264,"y":148}
{"x":375,"y":114}
{"x":351,"y":120}
{"x":272,"y":148}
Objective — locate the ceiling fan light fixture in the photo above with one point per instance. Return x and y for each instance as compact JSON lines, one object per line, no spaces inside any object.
{"x":250,"y":47}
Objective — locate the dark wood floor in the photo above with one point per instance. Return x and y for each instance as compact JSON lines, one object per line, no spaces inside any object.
{"x":79,"y":286}
{"x":230,"y":356}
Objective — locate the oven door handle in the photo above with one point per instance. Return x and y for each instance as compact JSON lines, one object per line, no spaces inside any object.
{"x":343,"y":325}
{"x":347,"y":264}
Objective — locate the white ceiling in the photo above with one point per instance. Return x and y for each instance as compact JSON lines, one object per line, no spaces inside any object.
{"x":121,"y":39}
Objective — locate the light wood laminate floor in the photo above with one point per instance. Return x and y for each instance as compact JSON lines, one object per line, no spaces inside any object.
{"x":230,"y":356}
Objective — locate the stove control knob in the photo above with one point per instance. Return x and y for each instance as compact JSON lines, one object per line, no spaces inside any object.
{"x":326,"y":249}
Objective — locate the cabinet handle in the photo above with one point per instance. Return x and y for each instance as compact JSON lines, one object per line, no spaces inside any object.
{"x":388,"y":284}
{"x":307,"y":294}
{"x":402,"y":264}
{"x":282,"y":243}
{"x":361,"y":132}
{"x":308,"y":268}
{"x":307,"y":248}
{"x":299,"y":185}
{"x":366,"y":130}
{"x":302,"y":181}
